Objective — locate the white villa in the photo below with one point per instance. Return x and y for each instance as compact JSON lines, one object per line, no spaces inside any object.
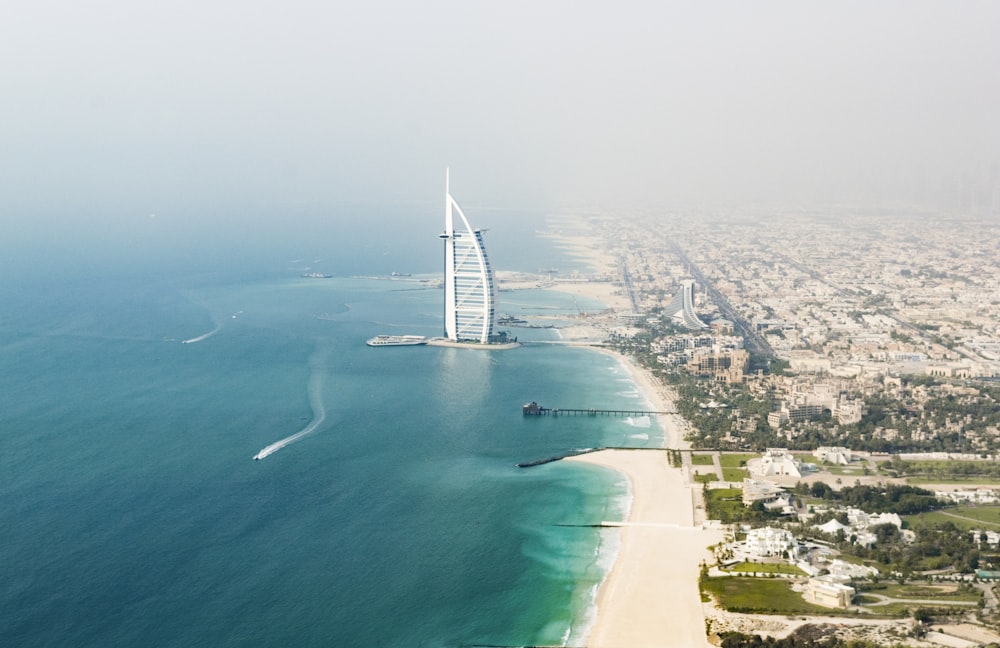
{"x":845,"y":571}
{"x":778,"y":461}
{"x":834,"y":455}
{"x":861,"y":520}
{"x":977,"y":496}
{"x":832,"y":526}
{"x":755,"y":490}
{"x":859,"y":524}
{"x":769,"y":541}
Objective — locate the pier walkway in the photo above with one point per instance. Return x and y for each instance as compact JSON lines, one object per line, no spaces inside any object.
{"x":534,"y":409}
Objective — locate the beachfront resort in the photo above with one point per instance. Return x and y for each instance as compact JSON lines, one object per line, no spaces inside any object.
{"x":831,"y":464}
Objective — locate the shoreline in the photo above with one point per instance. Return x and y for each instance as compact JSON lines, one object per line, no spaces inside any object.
{"x":650,"y":595}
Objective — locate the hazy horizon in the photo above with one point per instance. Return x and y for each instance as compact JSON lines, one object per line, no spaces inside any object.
{"x":153,"y":104}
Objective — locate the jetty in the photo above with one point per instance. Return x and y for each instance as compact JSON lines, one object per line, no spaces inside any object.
{"x":534,"y":409}
{"x":559,"y":457}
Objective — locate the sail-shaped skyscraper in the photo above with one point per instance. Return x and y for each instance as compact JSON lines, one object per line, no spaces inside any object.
{"x":470,"y":292}
{"x":681,"y":307}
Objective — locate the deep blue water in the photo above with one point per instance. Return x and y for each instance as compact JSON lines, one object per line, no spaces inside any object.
{"x":131,"y":512}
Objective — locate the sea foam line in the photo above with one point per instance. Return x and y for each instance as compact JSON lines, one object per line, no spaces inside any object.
{"x":605,"y":556}
{"x":319,"y":415}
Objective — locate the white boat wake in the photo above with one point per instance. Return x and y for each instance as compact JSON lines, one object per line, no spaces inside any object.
{"x":319,"y":414}
{"x":217,"y":328}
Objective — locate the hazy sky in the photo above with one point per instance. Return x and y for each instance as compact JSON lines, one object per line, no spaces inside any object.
{"x":531,"y":103}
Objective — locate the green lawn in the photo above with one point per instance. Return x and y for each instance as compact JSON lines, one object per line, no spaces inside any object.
{"x":940,"y":471}
{"x":910,"y":592}
{"x":732,"y":459}
{"x":701,"y":459}
{"x":963,"y":517}
{"x":855,"y":560}
{"x":890,"y":610}
{"x":775,"y":596}
{"x":724,"y":504}
{"x":705,"y":478}
{"x":734,"y":474}
{"x":944,"y":592}
{"x":760,"y":595}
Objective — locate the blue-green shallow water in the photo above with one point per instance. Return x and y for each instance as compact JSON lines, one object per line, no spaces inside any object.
{"x":132,"y":514}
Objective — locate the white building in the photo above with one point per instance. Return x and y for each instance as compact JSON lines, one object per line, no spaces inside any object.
{"x":470,"y":292}
{"x":759,"y":490}
{"x":769,"y":541}
{"x":992,"y":537}
{"x":834,"y":455}
{"x":832,"y":526}
{"x":828,"y":593}
{"x":858,"y":519}
{"x":778,"y":461}
{"x":845,"y":571}
{"x":977,"y":496}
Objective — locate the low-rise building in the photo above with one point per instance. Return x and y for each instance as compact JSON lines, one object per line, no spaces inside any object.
{"x":842,"y":571}
{"x":834,"y":455}
{"x":832,"y":526}
{"x":726,"y":365}
{"x":769,"y":541}
{"x":977,"y":496}
{"x":760,"y":490}
{"x":825,"y":592}
{"x":778,"y":461}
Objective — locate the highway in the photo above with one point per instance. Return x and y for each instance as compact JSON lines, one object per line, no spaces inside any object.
{"x":754,"y":341}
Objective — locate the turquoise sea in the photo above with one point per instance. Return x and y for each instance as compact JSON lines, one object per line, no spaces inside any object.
{"x":132,"y":513}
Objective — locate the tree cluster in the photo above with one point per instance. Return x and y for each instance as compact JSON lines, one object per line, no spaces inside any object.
{"x":890,"y":498}
{"x":936,"y":546}
{"x":881,"y":498}
{"x":741,"y":640}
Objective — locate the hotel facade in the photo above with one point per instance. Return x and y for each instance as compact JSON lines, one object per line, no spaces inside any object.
{"x":470,"y":290}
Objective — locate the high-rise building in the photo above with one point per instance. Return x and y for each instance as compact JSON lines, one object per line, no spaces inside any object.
{"x":681,"y":307}
{"x":470,"y":292}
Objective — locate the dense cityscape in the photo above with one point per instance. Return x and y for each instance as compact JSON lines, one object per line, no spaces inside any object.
{"x":837,"y":375}
{"x":877,"y":330}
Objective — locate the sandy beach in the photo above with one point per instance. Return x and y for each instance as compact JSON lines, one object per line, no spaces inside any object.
{"x":650,"y":597}
{"x":660,"y":399}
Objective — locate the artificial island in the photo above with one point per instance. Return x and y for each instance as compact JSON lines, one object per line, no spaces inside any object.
{"x":470,"y":289}
{"x":827,"y":387}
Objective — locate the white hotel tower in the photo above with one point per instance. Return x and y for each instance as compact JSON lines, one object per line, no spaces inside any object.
{"x":470,"y":292}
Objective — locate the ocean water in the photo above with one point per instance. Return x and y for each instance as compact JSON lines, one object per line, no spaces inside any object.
{"x":132,"y":513}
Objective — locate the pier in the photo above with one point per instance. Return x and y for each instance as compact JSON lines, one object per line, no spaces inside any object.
{"x":534,"y":409}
